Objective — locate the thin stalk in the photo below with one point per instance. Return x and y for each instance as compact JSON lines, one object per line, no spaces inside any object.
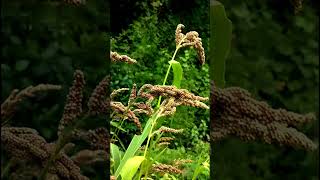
{"x":169,"y":68}
{"x":150,"y":136}
{"x":120,"y":142}
{"x":116,"y":131}
{"x":6,"y":169}
{"x":150,"y":133}
{"x":122,"y":120}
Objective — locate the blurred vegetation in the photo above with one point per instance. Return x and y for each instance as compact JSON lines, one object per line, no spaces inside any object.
{"x":274,"y":55}
{"x":45,"y":42}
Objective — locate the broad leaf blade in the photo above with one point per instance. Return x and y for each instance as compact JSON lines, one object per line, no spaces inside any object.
{"x":115,"y":155}
{"x":177,"y":73}
{"x":135,"y":144}
{"x":220,"y":42}
{"x":130,"y":168}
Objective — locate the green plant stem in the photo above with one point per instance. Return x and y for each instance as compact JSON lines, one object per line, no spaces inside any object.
{"x":123,"y":147}
{"x":150,"y":133}
{"x":6,"y":169}
{"x":169,"y":68}
{"x":122,"y":120}
{"x":116,"y":131}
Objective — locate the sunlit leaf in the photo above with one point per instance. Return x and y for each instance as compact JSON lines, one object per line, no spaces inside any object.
{"x":115,"y":155}
{"x":135,"y":144}
{"x":177,"y":73}
{"x":130,"y":168}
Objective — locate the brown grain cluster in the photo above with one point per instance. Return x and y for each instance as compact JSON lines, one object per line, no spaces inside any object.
{"x":165,"y":141}
{"x":99,"y":101}
{"x":174,"y":97}
{"x":175,"y":167}
{"x":73,"y":105}
{"x":116,"y":57}
{"x":165,"y":168}
{"x":234,"y":112}
{"x":25,"y":145}
{"x":132,"y":109}
{"x":190,"y":39}
{"x":10,"y":105}
{"x":164,"y":129}
{"x":181,"y":162}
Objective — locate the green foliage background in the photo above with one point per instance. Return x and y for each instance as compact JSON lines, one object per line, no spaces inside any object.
{"x":274,"y":55}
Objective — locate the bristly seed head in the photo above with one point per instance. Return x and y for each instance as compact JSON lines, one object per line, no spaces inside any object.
{"x":73,"y":106}
{"x":235,"y":112}
{"x":190,"y":39}
{"x":175,"y":97}
{"x":164,"y":129}
{"x":165,"y":168}
{"x":115,"y":57}
{"x":99,"y":101}
{"x":9,"y":106}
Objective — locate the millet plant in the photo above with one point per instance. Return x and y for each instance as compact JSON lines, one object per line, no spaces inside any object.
{"x":142,"y":158}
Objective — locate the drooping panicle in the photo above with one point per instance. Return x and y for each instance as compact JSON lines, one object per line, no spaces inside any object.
{"x":115,"y":57}
{"x":133,"y":94}
{"x":179,"y":34}
{"x":164,"y":129}
{"x":126,"y":113}
{"x":10,"y":105}
{"x":26,"y":144}
{"x":190,"y":39}
{"x":181,"y":96}
{"x":236,"y":113}
{"x":166,"y":168}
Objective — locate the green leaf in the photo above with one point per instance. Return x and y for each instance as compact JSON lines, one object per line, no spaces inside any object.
{"x":172,"y":177}
{"x":136,"y":143}
{"x":115,"y":155}
{"x":220,"y":42}
{"x":131,"y":167}
{"x":22,"y":65}
{"x":177,"y":73}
